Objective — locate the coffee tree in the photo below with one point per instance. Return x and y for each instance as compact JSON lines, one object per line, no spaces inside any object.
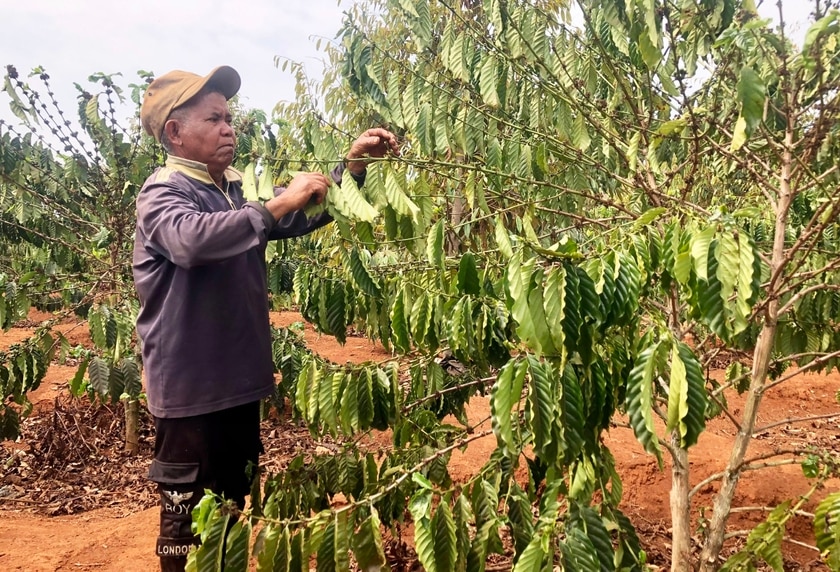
{"x":587,"y":212}
{"x":68,"y":183}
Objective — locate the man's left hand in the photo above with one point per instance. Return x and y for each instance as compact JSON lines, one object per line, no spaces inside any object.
{"x":373,"y":143}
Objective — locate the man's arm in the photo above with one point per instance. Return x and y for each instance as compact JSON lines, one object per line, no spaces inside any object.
{"x":296,"y":223}
{"x":286,"y":206}
{"x":173,"y":226}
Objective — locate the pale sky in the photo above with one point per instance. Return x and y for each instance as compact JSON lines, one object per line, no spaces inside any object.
{"x":75,"y":38}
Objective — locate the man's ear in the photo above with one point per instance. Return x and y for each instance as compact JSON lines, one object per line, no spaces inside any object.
{"x":172,"y":128}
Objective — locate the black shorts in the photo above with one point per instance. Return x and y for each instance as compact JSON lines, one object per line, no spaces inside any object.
{"x":211,"y":451}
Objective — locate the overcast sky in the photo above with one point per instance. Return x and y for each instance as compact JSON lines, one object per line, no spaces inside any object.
{"x":75,"y":38}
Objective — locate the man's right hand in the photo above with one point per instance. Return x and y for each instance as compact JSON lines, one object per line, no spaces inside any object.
{"x":303,"y":189}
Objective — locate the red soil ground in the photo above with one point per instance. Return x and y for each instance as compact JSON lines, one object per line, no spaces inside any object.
{"x":119,"y":534}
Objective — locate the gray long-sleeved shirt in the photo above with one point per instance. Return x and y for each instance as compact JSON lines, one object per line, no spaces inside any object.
{"x":200,"y":274}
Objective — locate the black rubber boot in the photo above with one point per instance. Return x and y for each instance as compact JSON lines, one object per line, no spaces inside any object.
{"x":173,"y":564}
{"x":176,"y":537}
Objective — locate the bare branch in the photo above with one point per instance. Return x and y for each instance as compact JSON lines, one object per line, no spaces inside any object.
{"x":816,"y":364}
{"x":802,"y":293}
{"x":794,"y":420}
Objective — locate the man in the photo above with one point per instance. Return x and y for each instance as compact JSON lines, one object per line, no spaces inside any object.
{"x":199,"y":270}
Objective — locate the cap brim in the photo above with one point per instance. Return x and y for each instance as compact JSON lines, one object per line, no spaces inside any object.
{"x":226,"y":79}
{"x":223,"y":78}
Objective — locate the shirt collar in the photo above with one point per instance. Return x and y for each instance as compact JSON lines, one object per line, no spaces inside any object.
{"x":198,"y":171}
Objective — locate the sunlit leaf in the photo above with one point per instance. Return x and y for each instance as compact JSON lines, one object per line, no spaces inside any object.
{"x":827,"y":529}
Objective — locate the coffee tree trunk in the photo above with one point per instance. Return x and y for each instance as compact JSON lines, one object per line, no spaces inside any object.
{"x":130,"y":403}
{"x":680,"y":516}
{"x":761,"y":362}
{"x":132,"y":426}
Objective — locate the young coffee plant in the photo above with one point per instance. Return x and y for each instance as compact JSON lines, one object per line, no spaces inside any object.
{"x":68,"y":184}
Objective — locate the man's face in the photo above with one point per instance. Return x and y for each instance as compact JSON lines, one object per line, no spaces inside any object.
{"x":206,"y":134}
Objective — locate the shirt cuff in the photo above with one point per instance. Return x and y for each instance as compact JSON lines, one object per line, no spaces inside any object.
{"x":360,"y":179}
{"x":268,"y":218}
{"x":340,"y":168}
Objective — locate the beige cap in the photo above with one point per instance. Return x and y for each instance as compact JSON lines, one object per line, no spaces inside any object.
{"x":172,"y":90}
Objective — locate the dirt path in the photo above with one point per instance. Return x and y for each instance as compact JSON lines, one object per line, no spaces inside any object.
{"x":101,"y":540}
{"x":119,"y":538}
